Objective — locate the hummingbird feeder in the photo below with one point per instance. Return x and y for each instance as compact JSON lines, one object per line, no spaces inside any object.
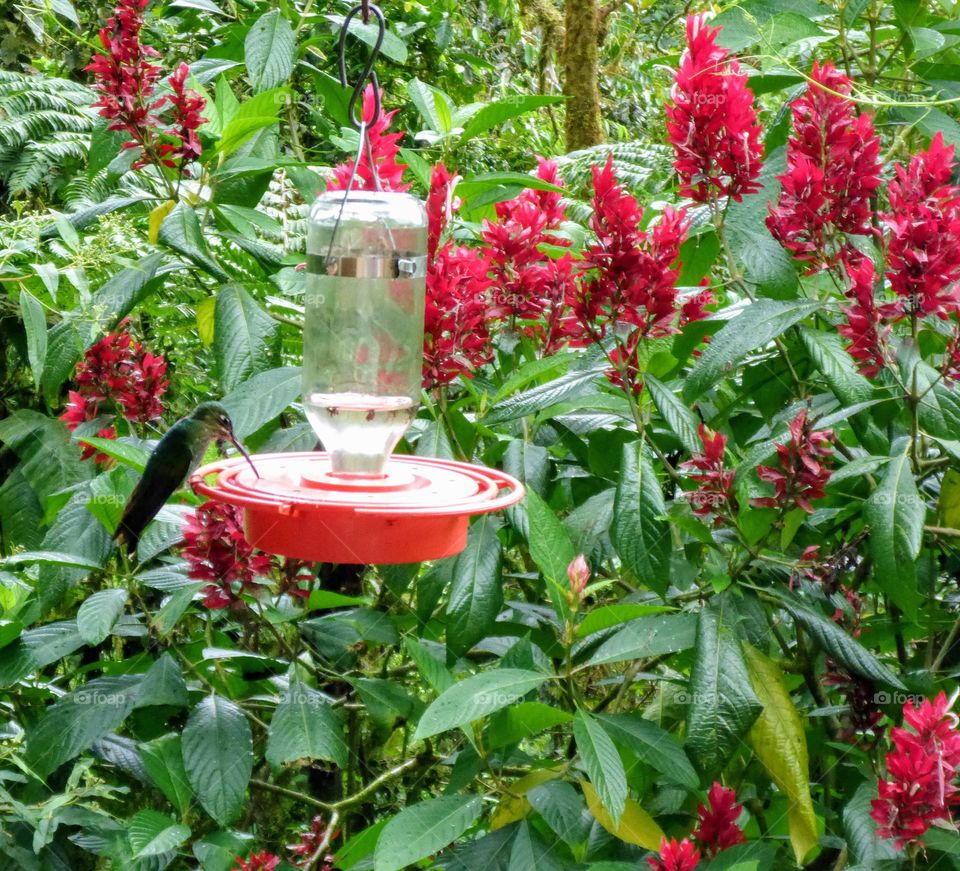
{"x":362,"y":362}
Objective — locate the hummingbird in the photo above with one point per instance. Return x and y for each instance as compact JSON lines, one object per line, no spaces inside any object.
{"x":175,"y":456}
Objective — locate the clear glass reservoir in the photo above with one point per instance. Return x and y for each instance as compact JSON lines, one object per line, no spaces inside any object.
{"x":363,"y":333}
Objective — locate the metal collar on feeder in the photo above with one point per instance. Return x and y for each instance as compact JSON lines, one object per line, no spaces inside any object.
{"x":362,"y":371}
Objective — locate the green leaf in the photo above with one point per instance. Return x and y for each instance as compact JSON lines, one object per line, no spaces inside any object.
{"x":756,"y":326}
{"x":65,"y":346}
{"x":38,"y":648}
{"x":50,"y":462}
{"x":828,"y":354}
{"x":50,"y":557}
{"x":839,"y":645}
{"x":640,"y":531}
{"x":98,"y":613}
{"x":76,"y":721}
{"x":476,"y":595}
{"x":21,"y":513}
{"x":867,"y":849}
{"x":152,"y":833}
{"x":895,"y":513}
{"x":606,"y":616}
{"x":494,"y":114}
{"x":431,"y":105}
{"x":130,"y":455}
{"x":181,"y":231}
{"x":530,"y":853}
{"x":522,"y":720}
{"x":243,"y":335}
{"x":163,"y":759}
{"x":35,"y":324}
{"x":569,"y":386}
{"x":652,"y":745}
{"x":218,"y":756}
{"x":723,"y":705}
{"x":262,"y":398}
{"x":268,"y":51}
{"x":646,"y":637}
{"x":304,"y":727}
{"x":257,"y":113}
{"x":550,"y":548}
{"x":562,"y":809}
{"x":393,"y":47}
{"x":681,"y":420}
{"x":422,"y":829}
{"x":778,"y":739}
{"x":475,"y":697}
{"x":163,"y":684}
{"x":602,"y":762}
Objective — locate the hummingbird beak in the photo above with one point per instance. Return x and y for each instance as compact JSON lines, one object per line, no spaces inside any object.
{"x":235,"y":442}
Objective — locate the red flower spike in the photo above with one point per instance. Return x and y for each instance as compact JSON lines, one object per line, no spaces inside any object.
{"x":833,"y":169}
{"x":308,"y":844}
{"x":864,"y":327}
{"x":674,"y":856}
{"x":921,"y":770}
{"x":717,"y":827}
{"x":923,"y":225}
{"x":187,"y":107}
{"x":711,"y":120}
{"x":801,"y":474}
{"x":216,"y":550}
{"x":578,"y":573}
{"x":263,"y":861}
{"x":384,"y":148}
{"x":715,"y":493}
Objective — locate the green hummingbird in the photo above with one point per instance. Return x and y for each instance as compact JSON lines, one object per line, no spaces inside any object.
{"x":176,"y":455}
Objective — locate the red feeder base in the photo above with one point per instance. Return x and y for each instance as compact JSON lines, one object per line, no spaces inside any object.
{"x":418,"y":510}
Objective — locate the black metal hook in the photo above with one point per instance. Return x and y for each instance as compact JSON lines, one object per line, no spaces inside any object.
{"x":364,"y":9}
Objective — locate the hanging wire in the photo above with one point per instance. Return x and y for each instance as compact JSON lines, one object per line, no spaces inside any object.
{"x":361,"y":125}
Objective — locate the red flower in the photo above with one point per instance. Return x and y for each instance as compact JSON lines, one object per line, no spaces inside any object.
{"x":578,"y":573}
{"x":117,"y":369}
{"x":921,"y":770}
{"x":263,"y":861}
{"x":715,"y":493}
{"x":309,"y":842}
{"x":124,"y":77}
{"x":833,"y":169}
{"x":216,"y":550}
{"x":187,"y":106}
{"x":717,"y":827}
{"x":526,"y":279}
{"x":923,"y":249}
{"x":383,"y":148}
{"x":81,"y":409}
{"x":801,"y":476}
{"x":711,"y":121}
{"x":682,"y":856}
{"x":864,"y":327}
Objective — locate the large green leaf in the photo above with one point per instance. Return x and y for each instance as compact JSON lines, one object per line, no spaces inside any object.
{"x":422,"y":829}
{"x":37,"y":648}
{"x":778,"y":739}
{"x":152,"y":833}
{"x":828,"y":354}
{"x":21,"y":513}
{"x":49,"y":461}
{"x":866,"y":847}
{"x":242,"y":337}
{"x":722,"y":704}
{"x":646,"y":637}
{"x":681,"y":420}
{"x":571,"y":385}
{"x":253,"y":115}
{"x":268,"y":51}
{"x":494,"y":114}
{"x":98,"y":613}
{"x":262,"y":398}
{"x":304,"y":727}
{"x":840,"y":645}
{"x":163,"y":760}
{"x":530,"y":852}
{"x":562,"y":808}
{"x":75,"y":722}
{"x":602,"y":762}
{"x":476,"y":595}
{"x":640,"y":531}
{"x":181,"y":231}
{"x":652,"y":745}
{"x":757,"y":325}
{"x":35,"y":324}
{"x":116,"y":298}
{"x":475,"y":697}
{"x":218,"y":756}
{"x":895,"y":513}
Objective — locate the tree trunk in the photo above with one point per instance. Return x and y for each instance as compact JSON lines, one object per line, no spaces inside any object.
{"x":581,"y":74}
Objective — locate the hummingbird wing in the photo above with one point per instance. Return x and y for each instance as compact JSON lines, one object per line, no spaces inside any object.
{"x":164,"y":473}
